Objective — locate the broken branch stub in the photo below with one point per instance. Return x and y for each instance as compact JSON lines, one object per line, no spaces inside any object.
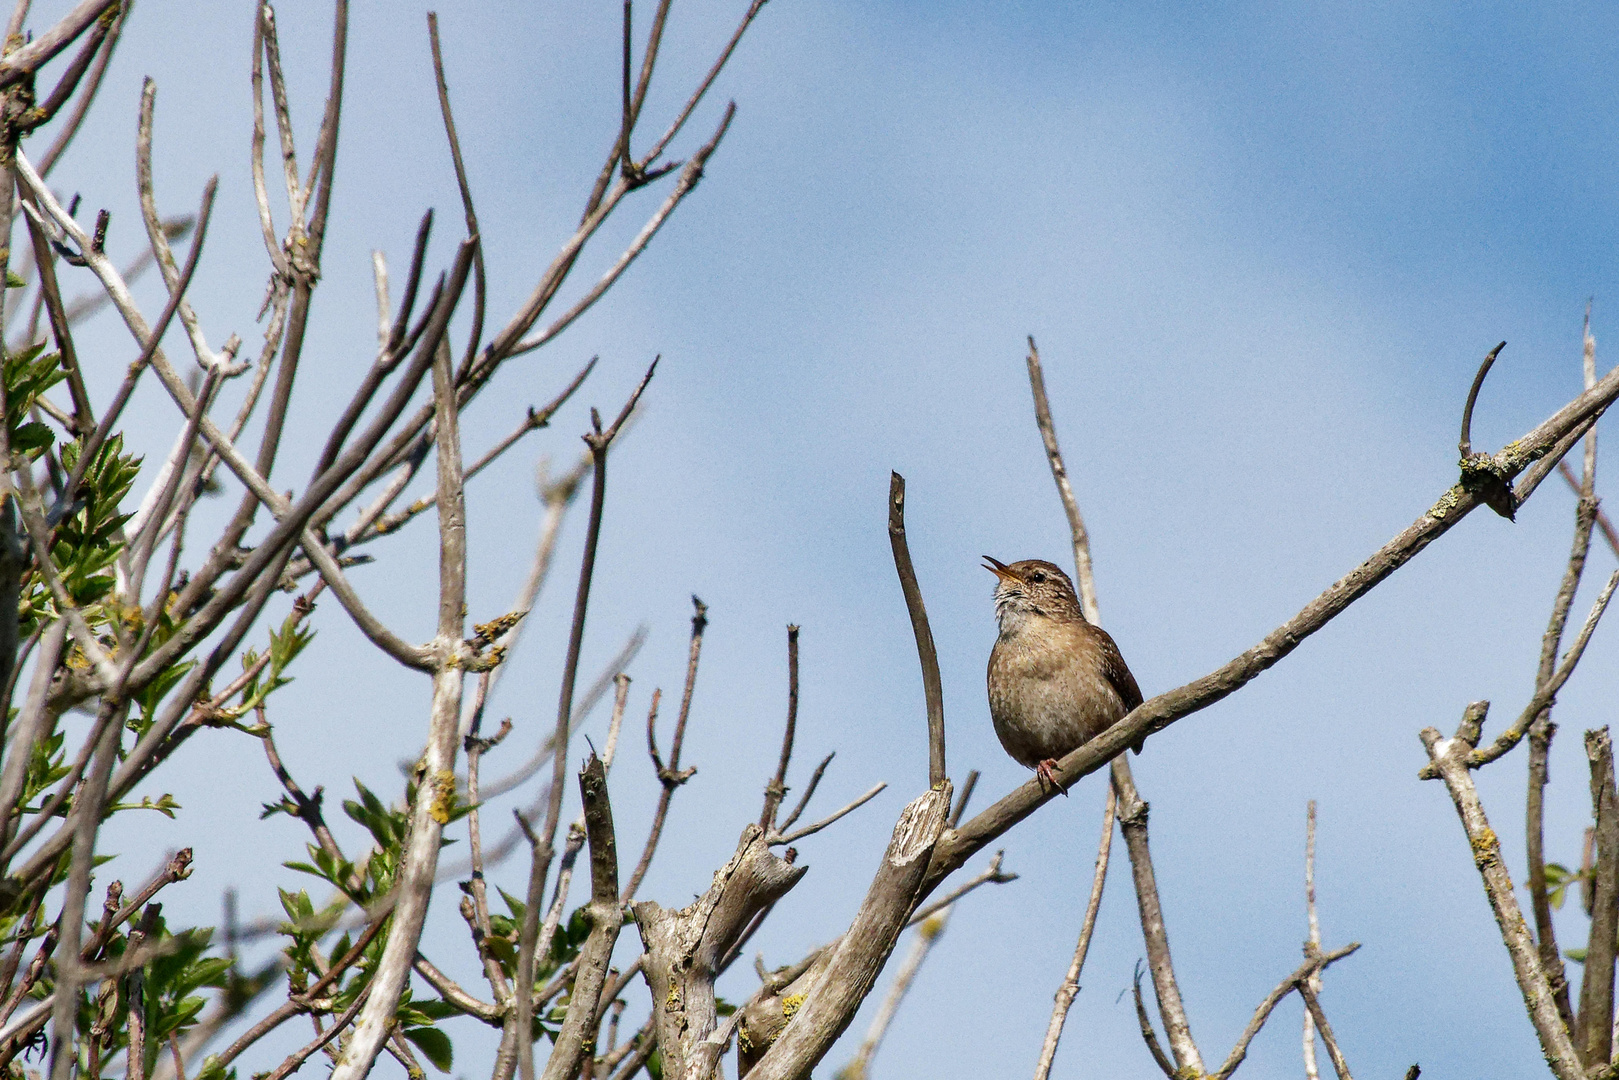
{"x":861,"y":952}
{"x":684,"y":947}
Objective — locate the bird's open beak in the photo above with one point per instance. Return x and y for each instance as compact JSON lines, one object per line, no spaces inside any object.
{"x":998,"y":568}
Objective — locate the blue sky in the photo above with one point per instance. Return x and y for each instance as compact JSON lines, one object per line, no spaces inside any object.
{"x":1263,"y":248}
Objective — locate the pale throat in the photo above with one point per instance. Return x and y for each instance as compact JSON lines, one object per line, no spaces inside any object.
{"x":1015,"y":614}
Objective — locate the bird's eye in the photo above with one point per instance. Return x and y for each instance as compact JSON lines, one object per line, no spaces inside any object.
{"x":1037,"y":577}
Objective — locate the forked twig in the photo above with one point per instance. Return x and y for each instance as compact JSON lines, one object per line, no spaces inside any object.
{"x":810,"y":830}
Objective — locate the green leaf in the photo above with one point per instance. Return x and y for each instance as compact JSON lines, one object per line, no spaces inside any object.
{"x":32,"y":436}
{"x":14,"y":280}
{"x":212,"y":1070}
{"x":1576,"y":955}
{"x":514,"y":905}
{"x":434,"y":1045}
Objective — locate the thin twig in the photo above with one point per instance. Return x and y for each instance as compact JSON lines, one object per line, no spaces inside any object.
{"x":1339,"y":1065}
{"x":1084,"y":575}
{"x":478,"y":285}
{"x":932,"y":688}
{"x":1149,"y":1036}
{"x":1312,"y":943}
{"x":990,"y":875}
{"x":1465,"y":446}
{"x":776,"y":790}
{"x":809,"y":791}
{"x":296,"y":1060}
{"x":1310,"y":970}
{"x":1594,"y":1028}
{"x":809,"y":830}
{"x":1070,"y":983}
{"x":1546,"y":694}
{"x":1609,"y":533}
{"x":671,"y":776}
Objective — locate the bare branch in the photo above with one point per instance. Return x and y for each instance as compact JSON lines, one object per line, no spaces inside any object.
{"x":776,"y":790}
{"x":1084,"y":575}
{"x":1339,"y":1065}
{"x":1594,"y":1029}
{"x":1465,"y":447}
{"x":1133,"y":823}
{"x":689,"y":176}
{"x":1546,"y":694}
{"x":478,"y":283}
{"x":295,"y":1061}
{"x":671,"y":776}
{"x":929,"y":656}
{"x":32,"y":56}
{"x":1104,"y":849}
{"x":809,"y":790}
{"x":70,"y":127}
{"x":810,"y":830}
{"x":702,"y":88}
{"x":1450,"y":759}
{"x":684,"y":949}
{"x":1312,"y":943}
{"x":990,"y":875}
{"x":853,"y":964}
{"x":1310,"y":970}
{"x":1608,"y":532}
{"x":1525,"y":456}
{"x":576,"y":1039}
{"x":1147,"y":1034}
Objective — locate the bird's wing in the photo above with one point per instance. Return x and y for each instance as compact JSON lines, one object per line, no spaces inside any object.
{"x":1117,"y":671}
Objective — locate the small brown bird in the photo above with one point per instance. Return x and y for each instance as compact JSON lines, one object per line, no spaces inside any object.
{"x":1056,"y":681}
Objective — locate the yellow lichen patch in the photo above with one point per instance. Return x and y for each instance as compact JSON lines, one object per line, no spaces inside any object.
{"x":673,"y":1001}
{"x":494,"y":628}
{"x":443,"y":796}
{"x":1447,"y":502}
{"x":1486,"y":848}
{"x":790,"y":1004}
{"x":488,"y":662}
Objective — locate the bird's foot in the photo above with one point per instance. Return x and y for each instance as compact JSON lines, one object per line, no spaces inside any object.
{"x":1047,"y":771}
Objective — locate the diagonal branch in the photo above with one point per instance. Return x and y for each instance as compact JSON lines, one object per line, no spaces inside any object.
{"x":1307,"y":972}
{"x":1546,"y":694}
{"x":32,"y":56}
{"x":1450,"y":759}
{"x":810,"y":830}
{"x":1529,"y":458}
{"x":852,"y":966}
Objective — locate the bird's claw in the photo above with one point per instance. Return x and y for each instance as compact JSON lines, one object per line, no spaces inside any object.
{"x":1047,"y":771}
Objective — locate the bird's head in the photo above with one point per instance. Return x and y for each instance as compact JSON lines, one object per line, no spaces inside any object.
{"x":1032,"y":587}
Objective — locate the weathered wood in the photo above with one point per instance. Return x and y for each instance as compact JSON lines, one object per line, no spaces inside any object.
{"x":860,"y":954}
{"x":684,"y":948}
